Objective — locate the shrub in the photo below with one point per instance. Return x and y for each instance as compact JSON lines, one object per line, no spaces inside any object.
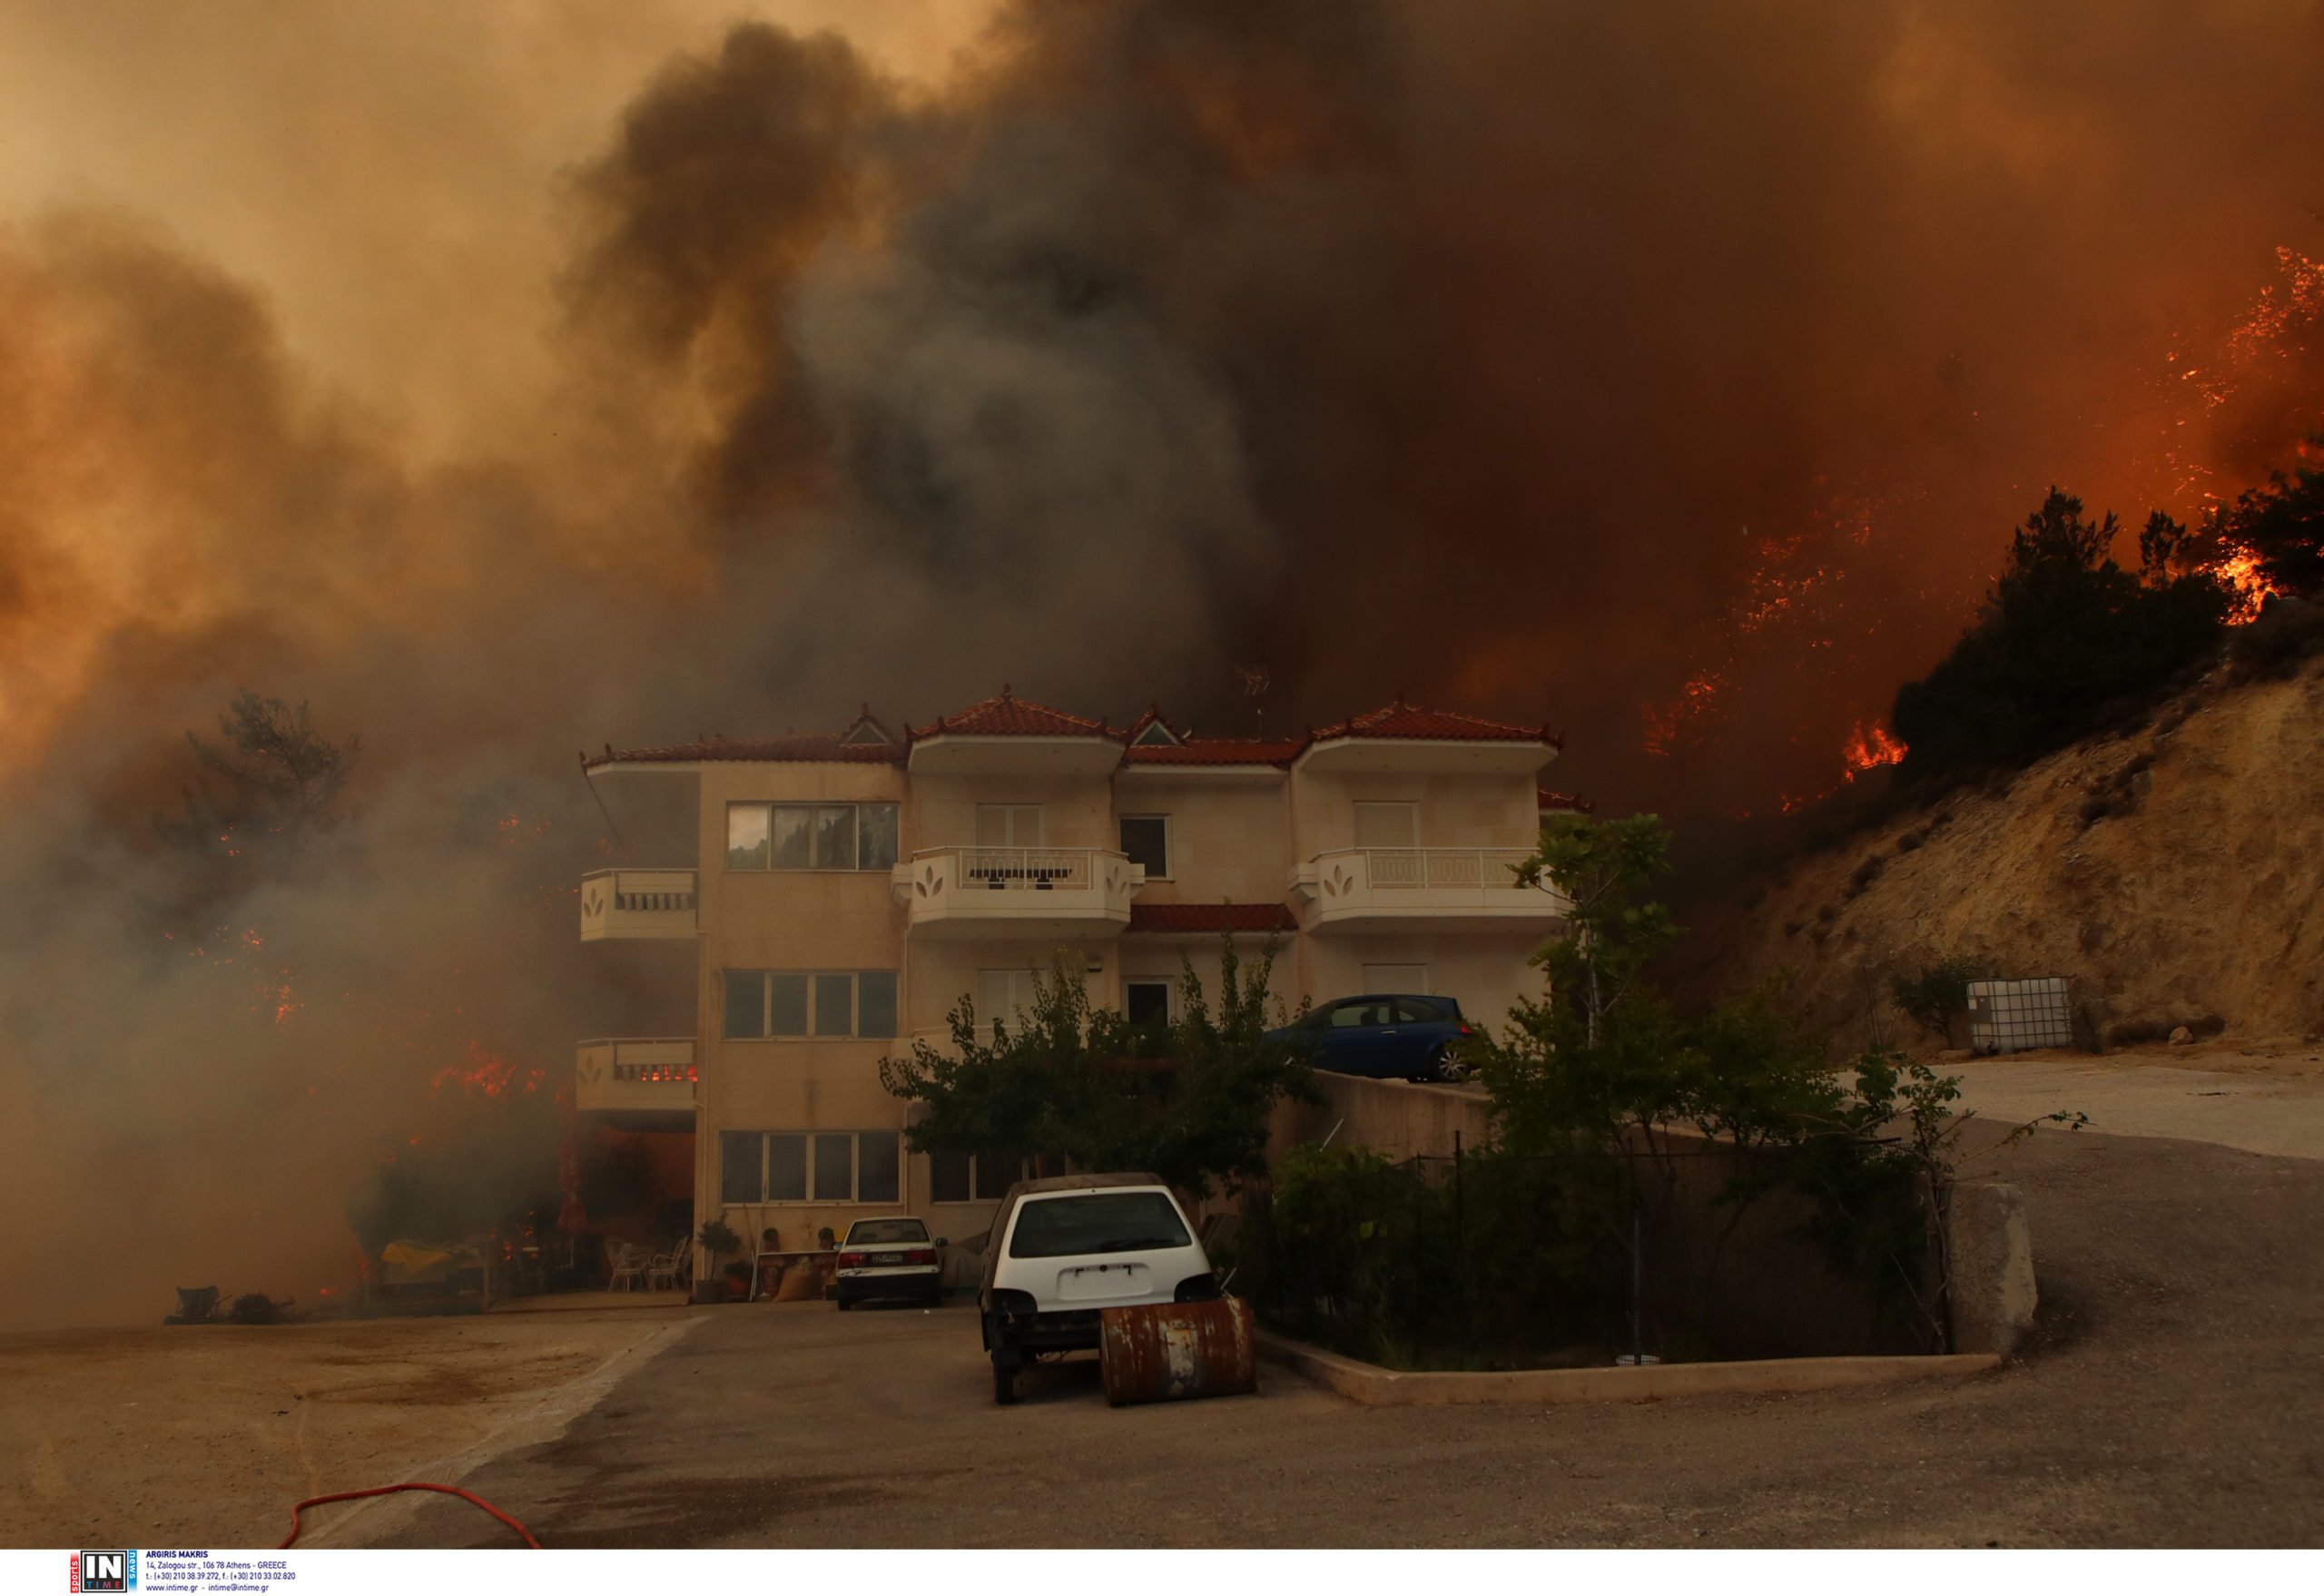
{"x":1933,"y":996}
{"x":2287,"y":631}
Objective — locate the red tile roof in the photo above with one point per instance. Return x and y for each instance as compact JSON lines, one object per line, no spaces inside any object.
{"x":1210,"y":918}
{"x":1008,"y":715}
{"x":1276,"y":751}
{"x":816,"y":748}
{"x":1399,"y":719}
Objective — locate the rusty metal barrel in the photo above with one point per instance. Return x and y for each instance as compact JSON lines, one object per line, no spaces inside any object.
{"x":1170,"y":1351}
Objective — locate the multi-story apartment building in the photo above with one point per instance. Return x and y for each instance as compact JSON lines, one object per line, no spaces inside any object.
{"x":851,"y":888}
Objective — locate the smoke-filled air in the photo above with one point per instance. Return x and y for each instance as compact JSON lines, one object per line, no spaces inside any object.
{"x":498,"y":382}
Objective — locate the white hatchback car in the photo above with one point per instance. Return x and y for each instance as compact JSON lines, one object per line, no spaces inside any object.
{"x":1063,"y":1248}
{"x":888,"y":1257}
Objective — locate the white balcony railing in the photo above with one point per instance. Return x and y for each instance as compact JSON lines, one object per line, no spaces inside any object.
{"x":636,"y":903}
{"x":1017,"y":892}
{"x":1451,"y":888}
{"x":635,"y":1074}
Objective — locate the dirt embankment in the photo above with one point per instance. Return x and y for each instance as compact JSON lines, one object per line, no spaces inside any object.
{"x":2174,"y":875}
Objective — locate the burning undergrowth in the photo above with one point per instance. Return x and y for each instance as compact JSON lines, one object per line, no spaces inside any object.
{"x":1552,"y":360}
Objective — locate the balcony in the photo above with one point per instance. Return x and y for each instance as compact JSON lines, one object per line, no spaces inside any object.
{"x":646,"y":1082}
{"x":1075,"y":893}
{"x":632,"y":904}
{"x":1421,"y":889}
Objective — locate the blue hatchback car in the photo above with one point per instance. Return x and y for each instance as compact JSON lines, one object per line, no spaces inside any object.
{"x":1390,"y":1036}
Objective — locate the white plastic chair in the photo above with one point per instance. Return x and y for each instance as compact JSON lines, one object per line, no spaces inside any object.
{"x":630,"y":1266}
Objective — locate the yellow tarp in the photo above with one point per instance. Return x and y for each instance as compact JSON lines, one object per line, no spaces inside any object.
{"x":415,"y":1262}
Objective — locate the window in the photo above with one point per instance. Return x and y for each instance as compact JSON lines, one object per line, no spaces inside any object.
{"x":1395,"y":978}
{"x":1101,"y":1222}
{"x":878,"y":1169}
{"x":792,"y":1166}
{"x":834,"y":1168}
{"x":1157,"y":736}
{"x":886,"y":1233}
{"x":1147,"y":1002}
{"x":1008,"y":826}
{"x":811,"y":1003}
{"x":963,"y":1177}
{"x":875,"y":1002}
{"x":1348,"y":1016}
{"x":1146,"y":838}
{"x":1003,"y":994}
{"x":1420,"y":1011}
{"x":742,"y":1167}
{"x":811,"y":836}
{"x":786,"y":1167}
{"x":1387,"y":825}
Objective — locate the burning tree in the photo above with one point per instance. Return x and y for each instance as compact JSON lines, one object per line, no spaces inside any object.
{"x":281,"y":778}
{"x":2068,"y":638}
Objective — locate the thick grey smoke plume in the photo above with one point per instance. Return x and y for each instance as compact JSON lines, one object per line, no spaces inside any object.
{"x":1550,"y":359}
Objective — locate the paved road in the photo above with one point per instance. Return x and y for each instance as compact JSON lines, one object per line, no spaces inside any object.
{"x":2273,"y":1106}
{"x":2175,"y":1396}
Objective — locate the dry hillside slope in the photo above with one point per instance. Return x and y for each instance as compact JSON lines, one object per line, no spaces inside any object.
{"x":2174,"y":875}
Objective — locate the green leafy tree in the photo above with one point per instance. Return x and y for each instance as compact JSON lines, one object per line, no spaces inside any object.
{"x":1188,"y":1101}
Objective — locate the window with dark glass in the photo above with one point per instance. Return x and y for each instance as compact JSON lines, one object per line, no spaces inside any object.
{"x":1147,"y":1002}
{"x":786,"y":1167}
{"x":1145,"y":839}
{"x":875,"y":1002}
{"x":786,"y":1003}
{"x":810,"y":1003}
{"x":948,"y":1177}
{"x":740,"y":1168}
{"x":745,"y":1002}
{"x":799,"y":1165}
{"x":879,"y":1167}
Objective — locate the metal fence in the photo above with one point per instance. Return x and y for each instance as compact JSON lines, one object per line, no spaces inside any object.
{"x":1683,"y":1252}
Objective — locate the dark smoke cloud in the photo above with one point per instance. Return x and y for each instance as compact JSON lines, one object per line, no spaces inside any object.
{"x":1536,"y":358}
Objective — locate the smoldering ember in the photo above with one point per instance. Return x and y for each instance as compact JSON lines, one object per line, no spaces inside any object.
{"x":1595,"y":724}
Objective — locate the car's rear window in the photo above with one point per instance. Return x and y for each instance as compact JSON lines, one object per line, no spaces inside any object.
{"x":1099,"y":1222}
{"x":874,"y":1232}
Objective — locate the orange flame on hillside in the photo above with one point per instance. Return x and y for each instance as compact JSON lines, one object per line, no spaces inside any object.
{"x":1870,"y":747}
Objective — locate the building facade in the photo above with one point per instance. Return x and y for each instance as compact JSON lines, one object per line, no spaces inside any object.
{"x":849,"y":890}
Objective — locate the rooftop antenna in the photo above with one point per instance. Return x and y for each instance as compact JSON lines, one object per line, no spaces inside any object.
{"x":1256,"y":683}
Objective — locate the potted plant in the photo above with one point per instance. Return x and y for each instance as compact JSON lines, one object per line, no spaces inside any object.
{"x":717,"y":1238}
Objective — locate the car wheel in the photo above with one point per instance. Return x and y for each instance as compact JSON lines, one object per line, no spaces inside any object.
{"x":1448,"y":1066}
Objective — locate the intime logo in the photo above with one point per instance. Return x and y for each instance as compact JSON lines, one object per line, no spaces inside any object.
{"x":104,"y":1571}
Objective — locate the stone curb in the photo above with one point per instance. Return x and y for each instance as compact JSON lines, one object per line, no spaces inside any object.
{"x":1377,"y":1387}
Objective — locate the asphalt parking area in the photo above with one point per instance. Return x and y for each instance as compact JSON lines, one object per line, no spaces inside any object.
{"x":2172,"y":1398}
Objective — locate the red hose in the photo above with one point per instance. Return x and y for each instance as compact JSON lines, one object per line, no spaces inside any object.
{"x":407,"y":1485}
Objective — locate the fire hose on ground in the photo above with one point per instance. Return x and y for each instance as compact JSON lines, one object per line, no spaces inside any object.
{"x":407,"y":1485}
